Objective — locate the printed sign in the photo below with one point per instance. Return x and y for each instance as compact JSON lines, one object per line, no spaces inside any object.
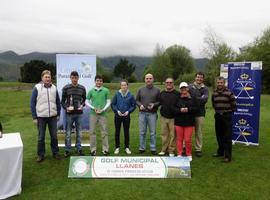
{"x":244,"y":80}
{"x":128,"y":167}
{"x":85,"y":65}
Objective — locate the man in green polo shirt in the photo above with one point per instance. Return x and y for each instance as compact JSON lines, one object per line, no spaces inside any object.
{"x":99,"y":101}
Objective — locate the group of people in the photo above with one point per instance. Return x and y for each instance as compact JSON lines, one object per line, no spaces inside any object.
{"x":180,"y":112}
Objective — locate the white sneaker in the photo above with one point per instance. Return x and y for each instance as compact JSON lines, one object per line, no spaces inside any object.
{"x":171,"y":154}
{"x":189,"y":158}
{"x":179,"y":156}
{"x":116,"y":151}
{"x":128,"y":151}
{"x":162,"y":153}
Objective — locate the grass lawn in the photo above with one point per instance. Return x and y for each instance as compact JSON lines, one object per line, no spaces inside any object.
{"x":246,"y":177}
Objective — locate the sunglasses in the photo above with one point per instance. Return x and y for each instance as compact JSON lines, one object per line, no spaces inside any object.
{"x":169,"y":82}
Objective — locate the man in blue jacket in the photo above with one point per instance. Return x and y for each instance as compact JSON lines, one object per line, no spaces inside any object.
{"x":45,"y":108}
{"x":123,"y":104}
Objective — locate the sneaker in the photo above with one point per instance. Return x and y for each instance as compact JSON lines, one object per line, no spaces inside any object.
{"x":162,"y":153}
{"x":171,"y":154}
{"x":217,"y":155}
{"x":141,"y":151}
{"x":105,"y":153}
{"x":128,"y":151}
{"x":154,"y":153}
{"x":67,"y":154}
{"x":93,"y":153}
{"x":116,"y":151}
{"x":80,"y":152}
{"x":226,"y":160}
{"x":189,"y":158}
{"x":184,"y":152}
{"x":198,"y":153}
{"x":57,"y":156}
{"x":40,"y":159}
{"x":179,"y":156}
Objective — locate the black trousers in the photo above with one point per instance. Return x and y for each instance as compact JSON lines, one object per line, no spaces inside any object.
{"x":126,"y":124}
{"x":223,"y":126}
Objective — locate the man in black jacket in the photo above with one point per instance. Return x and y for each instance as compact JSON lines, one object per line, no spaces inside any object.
{"x":168,"y":99}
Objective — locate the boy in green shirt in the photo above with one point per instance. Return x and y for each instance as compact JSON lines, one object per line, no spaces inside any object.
{"x":98,"y":99}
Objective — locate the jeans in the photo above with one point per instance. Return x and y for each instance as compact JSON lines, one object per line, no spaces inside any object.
{"x":77,"y":119}
{"x":52,"y":125}
{"x":147,"y":119}
{"x":126,"y":123}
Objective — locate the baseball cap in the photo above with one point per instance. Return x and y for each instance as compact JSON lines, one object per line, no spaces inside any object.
{"x":183,"y":84}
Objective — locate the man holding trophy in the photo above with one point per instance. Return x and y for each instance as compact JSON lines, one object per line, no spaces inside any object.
{"x":73,"y":101}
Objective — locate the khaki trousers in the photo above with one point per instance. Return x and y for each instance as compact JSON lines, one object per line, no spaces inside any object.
{"x":102,"y":121}
{"x":198,"y":133}
{"x":167,"y":135}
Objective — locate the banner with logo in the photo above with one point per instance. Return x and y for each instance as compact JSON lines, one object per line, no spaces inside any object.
{"x":128,"y":167}
{"x":85,"y":65}
{"x":244,"y":80}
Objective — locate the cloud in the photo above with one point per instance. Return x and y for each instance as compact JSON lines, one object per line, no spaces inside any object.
{"x":126,"y":27}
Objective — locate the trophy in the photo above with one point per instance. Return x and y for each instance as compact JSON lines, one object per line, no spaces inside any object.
{"x":71,"y":106}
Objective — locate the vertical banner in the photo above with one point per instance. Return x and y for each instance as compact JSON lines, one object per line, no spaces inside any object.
{"x":244,"y":80}
{"x":85,"y":65}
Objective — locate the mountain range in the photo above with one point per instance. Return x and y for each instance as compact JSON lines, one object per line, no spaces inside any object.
{"x":10,"y":62}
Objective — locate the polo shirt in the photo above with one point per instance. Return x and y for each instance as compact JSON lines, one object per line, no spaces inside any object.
{"x":98,"y":98}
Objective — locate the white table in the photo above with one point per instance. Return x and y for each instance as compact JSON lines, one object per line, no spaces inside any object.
{"x":11,"y":156}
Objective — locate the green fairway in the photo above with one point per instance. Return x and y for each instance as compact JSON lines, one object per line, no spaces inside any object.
{"x":246,"y":177}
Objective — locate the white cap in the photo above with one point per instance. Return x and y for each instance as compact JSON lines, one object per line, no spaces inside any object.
{"x":183,"y":84}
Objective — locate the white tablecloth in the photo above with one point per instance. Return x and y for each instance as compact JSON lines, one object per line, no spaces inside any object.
{"x":11,"y":155}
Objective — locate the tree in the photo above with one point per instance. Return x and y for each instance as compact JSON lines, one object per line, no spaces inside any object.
{"x":31,"y":71}
{"x":259,"y":50}
{"x":106,"y":73}
{"x":180,"y":60}
{"x":161,"y":65}
{"x":124,"y":69}
{"x":217,"y":52}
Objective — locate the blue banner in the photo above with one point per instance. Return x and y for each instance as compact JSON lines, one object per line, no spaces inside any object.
{"x":244,"y":80}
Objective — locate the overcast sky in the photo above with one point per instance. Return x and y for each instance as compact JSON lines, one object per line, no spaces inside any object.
{"x":126,"y":27}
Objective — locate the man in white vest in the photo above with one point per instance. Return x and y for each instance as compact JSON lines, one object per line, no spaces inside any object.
{"x":45,"y":108}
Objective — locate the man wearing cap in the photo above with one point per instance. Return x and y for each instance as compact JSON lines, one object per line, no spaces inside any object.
{"x":168,"y":99}
{"x":200,"y":91}
{"x":147,"y":100}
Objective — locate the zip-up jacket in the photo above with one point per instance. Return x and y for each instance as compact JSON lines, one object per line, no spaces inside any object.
{"x":123,"y":103}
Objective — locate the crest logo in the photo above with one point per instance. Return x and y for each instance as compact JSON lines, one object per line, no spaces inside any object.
{"x":244,"y":76}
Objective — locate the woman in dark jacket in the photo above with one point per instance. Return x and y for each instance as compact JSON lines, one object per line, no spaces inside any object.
{"x":184,"y":119}
{"x":123,"y":104}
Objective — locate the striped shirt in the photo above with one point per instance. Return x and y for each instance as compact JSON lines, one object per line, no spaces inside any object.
{"x":223,"y":101}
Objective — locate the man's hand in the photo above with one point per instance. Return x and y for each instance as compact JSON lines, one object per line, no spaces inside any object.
{"x":150,"y":106}
{"x":119,"y":113}
{"x":35,"y":121}
{"x":142,"y":107}
{"x":184,"y":109}
{"x":126,"y":113}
